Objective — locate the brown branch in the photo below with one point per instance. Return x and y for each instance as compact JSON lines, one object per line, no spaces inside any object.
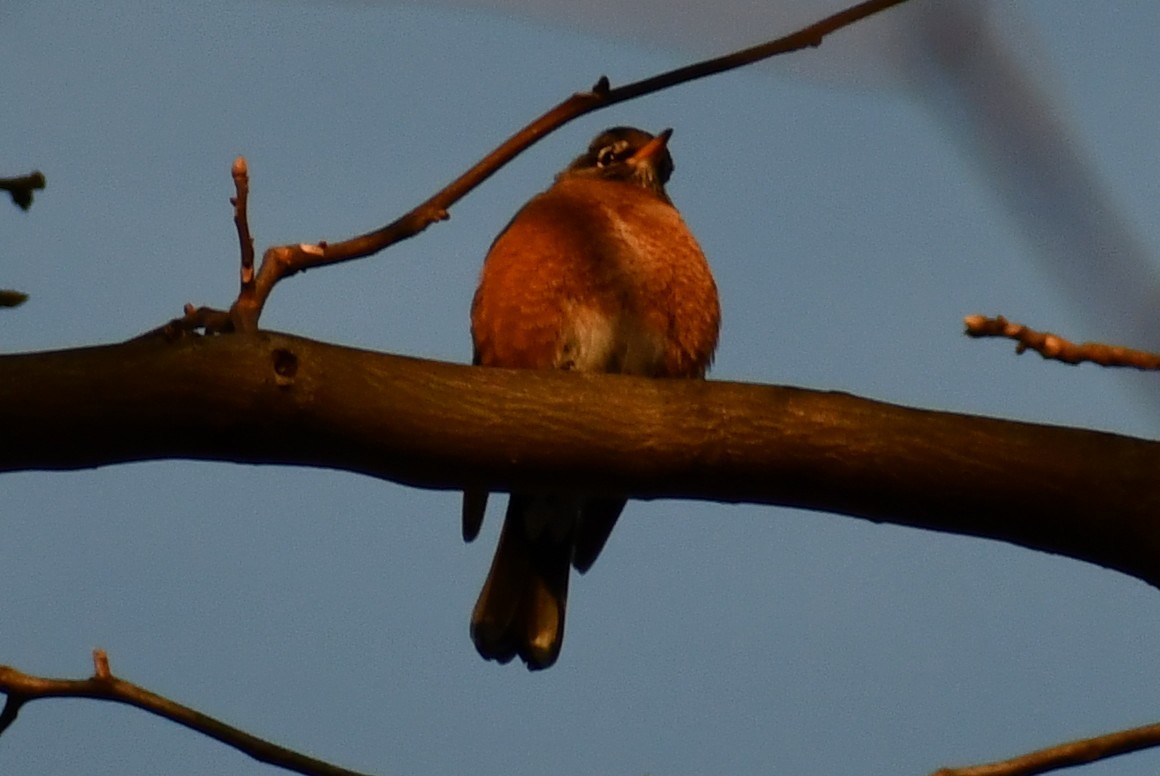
{"x":241,"y":174}
{"x":286,"y":260}
{"x":601,"y":96}
{"x":21,"y":187}
{"x":245,"y":310}
{"x":12,"y":298}
{"x":1056,"y":348}
{"x":1066,"y":755}
{"x":206,"y":318}
{"x":103,"y":685}
{"x":274,"y":399}
{"x":240,"y":314}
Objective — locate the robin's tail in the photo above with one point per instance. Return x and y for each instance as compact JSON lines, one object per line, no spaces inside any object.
{"x":520,"y":610}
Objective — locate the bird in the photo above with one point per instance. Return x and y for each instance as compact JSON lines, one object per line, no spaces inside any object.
{"x":599,"y":273}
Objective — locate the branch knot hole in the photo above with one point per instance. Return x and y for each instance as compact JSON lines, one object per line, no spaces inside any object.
{"x":285,"y":367}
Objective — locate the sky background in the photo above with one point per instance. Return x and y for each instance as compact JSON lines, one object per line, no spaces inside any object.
{"x":852,"y":215}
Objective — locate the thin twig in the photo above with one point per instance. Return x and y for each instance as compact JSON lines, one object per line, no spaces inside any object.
{"x":21,"y":187}
{"x":241,"y":174}
{"x":1066,"y":755}
{"x":208,"y":319}
{"x":1052,"y":346}
{"x":286,"y":260}
{"x":103,"y":685}
{"x":601,"y":96}
{"x":246,"y":294}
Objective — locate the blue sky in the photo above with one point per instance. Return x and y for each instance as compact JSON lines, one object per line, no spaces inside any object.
{"x":850,"y":226}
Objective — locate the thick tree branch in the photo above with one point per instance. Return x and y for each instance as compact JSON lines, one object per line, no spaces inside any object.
{"x":22,"y":688}
{"x":275,"y":399}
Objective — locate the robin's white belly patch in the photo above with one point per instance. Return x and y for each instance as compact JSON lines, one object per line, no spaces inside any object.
{"x":598,"y":342}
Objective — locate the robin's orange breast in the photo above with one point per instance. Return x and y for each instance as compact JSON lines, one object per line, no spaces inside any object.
{"x":597,"y":275}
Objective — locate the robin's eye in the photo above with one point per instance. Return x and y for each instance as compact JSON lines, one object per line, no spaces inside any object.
{"x":611,"y":154}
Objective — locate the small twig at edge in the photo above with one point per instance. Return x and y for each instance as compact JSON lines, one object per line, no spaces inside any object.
{"x":241,"y":175}
{"x":21,"y":187}
{"x":1066,"y":755}
{"x":1052,"y":346}
{"x":12,"y":298}
{"x":103,"y":685}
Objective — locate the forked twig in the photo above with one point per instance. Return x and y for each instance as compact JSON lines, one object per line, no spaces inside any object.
{"x":285,"y":260}
{"x":22,"y":688}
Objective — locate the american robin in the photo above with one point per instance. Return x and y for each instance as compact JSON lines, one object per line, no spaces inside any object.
{"x":599,"y":273}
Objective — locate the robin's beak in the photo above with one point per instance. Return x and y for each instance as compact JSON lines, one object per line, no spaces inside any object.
{"x":652,"y":149}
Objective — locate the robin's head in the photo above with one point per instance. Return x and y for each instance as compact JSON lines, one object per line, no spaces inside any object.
{"x":627,"y":154}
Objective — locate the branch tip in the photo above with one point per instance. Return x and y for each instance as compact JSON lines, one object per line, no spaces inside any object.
{"x":241,"y":176}
{"x":21,"y":187}
{"x":1056,"y":348}
{"x":12,"y":298}
{"x":101,"y":664}
{"x":972,"y":322}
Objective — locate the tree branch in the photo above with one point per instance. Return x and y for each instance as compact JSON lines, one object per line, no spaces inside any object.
{"x":12,"y":298}
{"x":240,"y":201}
{"x":1054,"y":347}
{"x":21,"y":188}
{"x":104,"y":686}
{"x":1066,"y":755}
{"x":275,"y":399}
{"x":283,"y":261}
{"x":601,"y":96}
